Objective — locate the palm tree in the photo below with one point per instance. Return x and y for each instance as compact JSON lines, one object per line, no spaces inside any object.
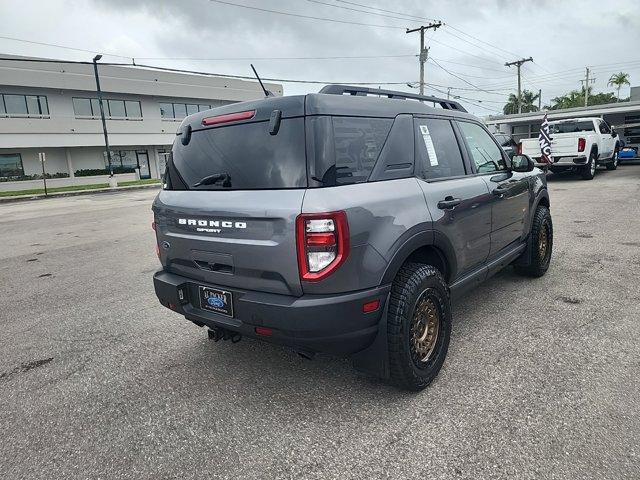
{"x":618,"y":80}
{"x":528,"y":103}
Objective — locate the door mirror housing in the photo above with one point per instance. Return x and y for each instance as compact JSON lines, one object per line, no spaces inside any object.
{"x":614,"y":134}
{"x":522,"y":163}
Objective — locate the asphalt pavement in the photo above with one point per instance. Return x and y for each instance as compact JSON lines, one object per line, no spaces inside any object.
{"x":98,"y":380}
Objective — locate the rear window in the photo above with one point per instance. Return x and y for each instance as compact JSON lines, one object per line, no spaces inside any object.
{"x":344,"y":150}
{"x":247,"y":154}
{"x":571,"y":127}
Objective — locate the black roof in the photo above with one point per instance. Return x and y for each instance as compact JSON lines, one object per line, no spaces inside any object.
{"x":340,"y":101}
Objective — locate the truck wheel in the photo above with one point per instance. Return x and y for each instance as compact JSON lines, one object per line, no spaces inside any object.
{"x":613,"y":164}
{"x":589,"y":170}
{"x":540,"y":244}
{"x":418,"y":326}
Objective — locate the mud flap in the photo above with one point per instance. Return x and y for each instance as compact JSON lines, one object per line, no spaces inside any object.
{"x":374,"y":360}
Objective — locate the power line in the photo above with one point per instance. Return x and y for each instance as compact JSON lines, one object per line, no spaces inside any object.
{"x":420,"y":19}
{"x":61,"y":46}
{"x":464,"y":51}
{"x":460,"y":78}
{"x":341,"y":57}
{"x":470,"y":65}
{"x":472,"y":43}
{"x":360,"y":10}
{"x":480,"y":40}
{"x":308,"y":17}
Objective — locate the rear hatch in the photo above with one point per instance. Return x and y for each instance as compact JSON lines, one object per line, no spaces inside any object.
{"x":234,"y":186}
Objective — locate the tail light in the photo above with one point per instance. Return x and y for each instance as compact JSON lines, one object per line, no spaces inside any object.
{"x":323,"y":243}
{"x":228,"y":117}
{"x":519,"y":148}
{"x":582,"y":143}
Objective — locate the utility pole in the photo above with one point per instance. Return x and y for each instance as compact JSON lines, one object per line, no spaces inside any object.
{"x":424,"y":52}
{"x":448,"y":92}
{"x":539,"y":99}
{"x":112,"y":180}
{"x":586,"y":82}
{"x":518,"y":63}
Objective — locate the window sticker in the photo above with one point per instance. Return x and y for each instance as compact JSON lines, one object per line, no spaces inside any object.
{"x":428,"y":142}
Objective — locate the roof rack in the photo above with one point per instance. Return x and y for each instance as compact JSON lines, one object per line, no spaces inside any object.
{"x":365,"y":91}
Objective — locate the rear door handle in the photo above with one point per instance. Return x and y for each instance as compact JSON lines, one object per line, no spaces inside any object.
{"x":448,"y":203}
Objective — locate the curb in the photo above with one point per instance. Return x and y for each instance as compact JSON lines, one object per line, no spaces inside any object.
{"x":27,"y":198}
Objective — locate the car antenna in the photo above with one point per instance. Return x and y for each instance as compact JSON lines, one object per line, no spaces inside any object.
{"x":267,"y":93}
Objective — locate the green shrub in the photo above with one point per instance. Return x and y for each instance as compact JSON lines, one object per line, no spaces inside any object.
{"x":21,"y":178}
{"x":88,"y":172}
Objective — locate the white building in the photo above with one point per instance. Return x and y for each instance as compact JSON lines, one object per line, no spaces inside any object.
{"x":52,"y":107}
{"x":623,"y":116}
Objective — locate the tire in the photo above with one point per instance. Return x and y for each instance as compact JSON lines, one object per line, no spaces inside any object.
{"x":589,"y":170}
{"x":613,"y":164}
{"x":541,"y":232}
{"x":418,"y":341}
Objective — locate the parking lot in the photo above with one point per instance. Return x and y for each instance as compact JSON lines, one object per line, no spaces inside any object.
{"x":97,"y":379}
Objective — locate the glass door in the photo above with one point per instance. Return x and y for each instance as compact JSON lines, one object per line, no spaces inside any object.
{"x":143,"y":164}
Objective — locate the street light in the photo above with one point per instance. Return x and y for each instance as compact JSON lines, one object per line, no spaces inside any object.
{"x":112,"y":180}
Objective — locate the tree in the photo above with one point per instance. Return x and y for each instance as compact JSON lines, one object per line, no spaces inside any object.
{"x":575,"y":98}
{"x":618,"y":80}
{"x":528,"y":103}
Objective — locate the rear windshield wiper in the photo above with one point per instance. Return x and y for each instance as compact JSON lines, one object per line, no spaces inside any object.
{"x":215,"y":178}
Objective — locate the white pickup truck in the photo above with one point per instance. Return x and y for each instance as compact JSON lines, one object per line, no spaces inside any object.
{"x":578,"y":144}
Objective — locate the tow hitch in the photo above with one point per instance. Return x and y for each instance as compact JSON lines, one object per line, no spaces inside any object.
{"x":218,"y":333}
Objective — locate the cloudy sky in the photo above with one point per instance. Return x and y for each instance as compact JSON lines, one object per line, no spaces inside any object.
{"x":467,"y":53}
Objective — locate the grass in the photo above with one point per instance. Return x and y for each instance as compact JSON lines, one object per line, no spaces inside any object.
{"x":74,"y":188}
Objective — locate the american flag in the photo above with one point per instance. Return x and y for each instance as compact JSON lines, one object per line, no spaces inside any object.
{"x":545,"y":141}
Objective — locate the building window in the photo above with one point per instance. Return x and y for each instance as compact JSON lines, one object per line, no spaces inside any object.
{"x":133,"y":109}
{"x":178,"y":111}
{"x":23,"y":105}
{"x":113,"y":109}
{"x":11,"y":165}
{"x":116,"y":108}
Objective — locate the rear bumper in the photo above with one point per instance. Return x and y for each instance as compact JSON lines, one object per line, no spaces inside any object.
{"x":565,"y":162}
{"x":332,"y":324}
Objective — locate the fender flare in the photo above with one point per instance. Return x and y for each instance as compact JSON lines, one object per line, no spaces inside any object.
{"x":543,"y":193}
{"x":431,"y":238}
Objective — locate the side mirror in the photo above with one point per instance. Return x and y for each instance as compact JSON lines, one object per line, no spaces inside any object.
{"x":614,"y":134}
{"x":522,"y":163}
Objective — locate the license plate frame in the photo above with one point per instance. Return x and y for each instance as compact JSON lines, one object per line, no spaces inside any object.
{"x":216,"y":300}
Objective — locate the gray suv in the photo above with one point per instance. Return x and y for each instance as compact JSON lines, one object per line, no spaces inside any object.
{"x":343,"y":222}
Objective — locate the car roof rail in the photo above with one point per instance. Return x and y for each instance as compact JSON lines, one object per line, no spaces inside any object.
{"x":365,"y":91}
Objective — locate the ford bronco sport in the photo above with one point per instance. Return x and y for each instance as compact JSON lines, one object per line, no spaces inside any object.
{"x":343,"y":222}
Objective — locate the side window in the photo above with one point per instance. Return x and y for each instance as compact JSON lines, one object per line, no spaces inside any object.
{"x":486,"y":154}
{"x":604,"y":128}
{"x":437,"y":151}
{"x":344,"y":150}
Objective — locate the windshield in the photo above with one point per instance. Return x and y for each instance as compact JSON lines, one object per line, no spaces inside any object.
{"x":571,"y":127}
{"x":243,"y":157}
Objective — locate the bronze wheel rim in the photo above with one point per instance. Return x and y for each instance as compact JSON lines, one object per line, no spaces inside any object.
{"x":543,"y":241}
{"x":425,"y":327}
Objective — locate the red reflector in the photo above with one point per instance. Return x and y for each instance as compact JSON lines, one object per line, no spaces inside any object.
{"x":582,"y":143}
{"x":172,"y":306}
{"x":229,"y":117}
{"x":321,"y":239}
{"x":264,"y":331}
{"x":371,"y":306}
{"x":519,"y":148}
{"x":153,"y":225}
